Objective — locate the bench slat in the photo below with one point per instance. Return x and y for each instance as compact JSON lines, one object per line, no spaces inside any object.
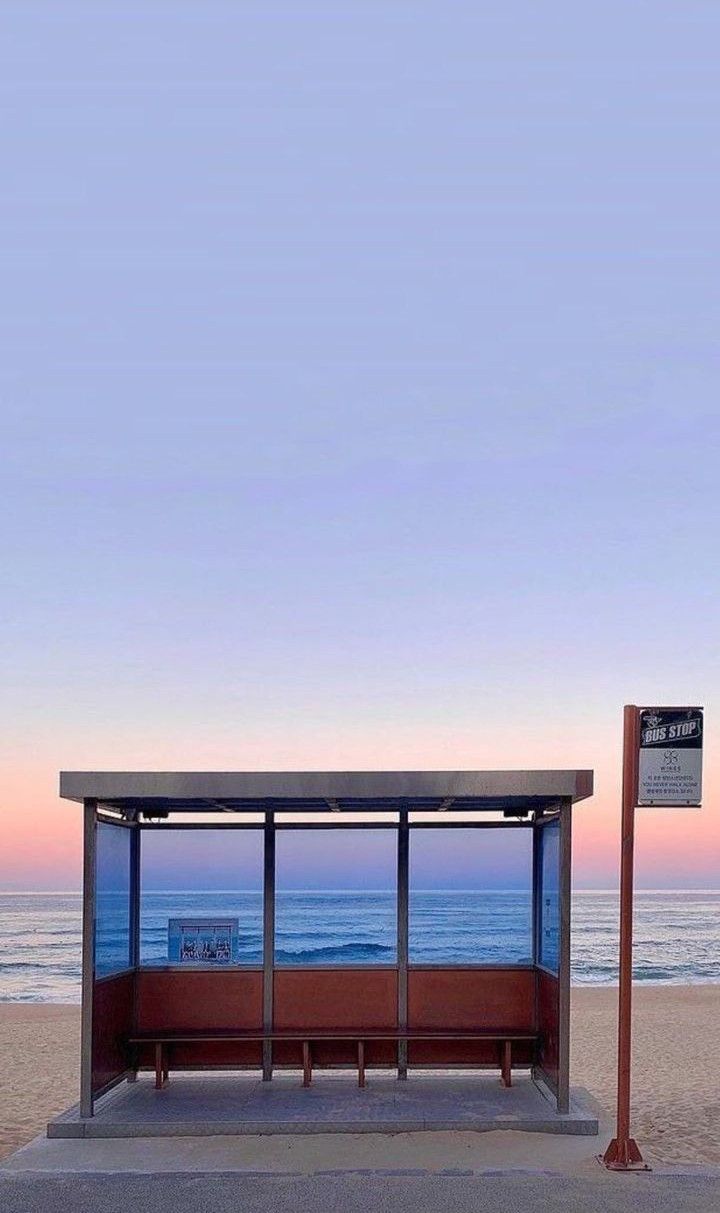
{"x":325,"y":1035}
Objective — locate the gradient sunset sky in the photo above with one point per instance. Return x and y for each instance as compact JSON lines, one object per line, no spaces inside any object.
{"x":359,"y":398}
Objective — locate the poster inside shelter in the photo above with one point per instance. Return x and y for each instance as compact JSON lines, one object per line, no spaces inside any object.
{"x":670,"y":766}
{"x":204,"y":941}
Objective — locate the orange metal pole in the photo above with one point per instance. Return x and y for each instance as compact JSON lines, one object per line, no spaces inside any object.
{"x":623,"y":1153}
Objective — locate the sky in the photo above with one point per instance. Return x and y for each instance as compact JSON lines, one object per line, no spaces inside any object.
{"x":359,"y":398}
{"x":221,"y":860}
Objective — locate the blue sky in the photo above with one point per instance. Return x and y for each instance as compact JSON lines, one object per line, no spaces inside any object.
{"x":359,"y":385}
{"x":366,"y":859}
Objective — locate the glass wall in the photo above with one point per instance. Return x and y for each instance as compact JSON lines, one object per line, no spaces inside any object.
{"x":549,"y":925}
{"x":470,"y":896}
{"x":201,"y":897}
{"x":112,"y":901}
{"x":336,"y":899}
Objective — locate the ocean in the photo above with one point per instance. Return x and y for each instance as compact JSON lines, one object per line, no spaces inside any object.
{"x":677,"y":934}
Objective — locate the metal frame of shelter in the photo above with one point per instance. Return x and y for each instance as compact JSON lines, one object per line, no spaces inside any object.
{"x":455,"y":997}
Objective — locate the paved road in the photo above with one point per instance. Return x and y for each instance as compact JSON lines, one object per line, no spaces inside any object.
{"x":35,"y":1192}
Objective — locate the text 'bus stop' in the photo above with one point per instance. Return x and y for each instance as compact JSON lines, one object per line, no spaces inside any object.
{"x":181,"y":990}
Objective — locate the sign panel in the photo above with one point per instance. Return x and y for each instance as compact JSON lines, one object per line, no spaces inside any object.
{"x":670,"y":768}
{"x":203,"y":941}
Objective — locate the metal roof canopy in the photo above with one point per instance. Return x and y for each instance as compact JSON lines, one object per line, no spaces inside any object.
{"x":513,"y":792}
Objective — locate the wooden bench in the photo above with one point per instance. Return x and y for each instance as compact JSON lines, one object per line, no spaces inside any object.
{"x":163,"y":1042}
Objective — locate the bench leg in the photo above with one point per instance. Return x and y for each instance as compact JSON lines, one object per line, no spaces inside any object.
{"x":361,"y":1063}
{"x":132,"y":1076}
{"x":159,"y":1067}
{"x":307,"y":1064}
{"x":506,"y":1064}
{"x":267,"y":1062}
{"x":402,"y":1065}
{"x":166,"y":1064}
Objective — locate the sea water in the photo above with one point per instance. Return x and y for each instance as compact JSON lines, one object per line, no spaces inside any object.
{"x":677,"y":934}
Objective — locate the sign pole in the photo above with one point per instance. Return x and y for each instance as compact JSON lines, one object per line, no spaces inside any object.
{"x":623,"y":1153}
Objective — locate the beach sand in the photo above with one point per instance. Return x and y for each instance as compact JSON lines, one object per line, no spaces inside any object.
{"x":675,"y":1091}
{"x":39,"y":1065}
{"x":676,"y":1102}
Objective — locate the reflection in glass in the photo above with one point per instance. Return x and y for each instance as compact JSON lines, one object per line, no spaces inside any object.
{"x":112,"y":908}
{"x":549,"y":941}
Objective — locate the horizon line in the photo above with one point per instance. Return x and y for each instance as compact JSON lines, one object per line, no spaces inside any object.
{"x":259,"y":889}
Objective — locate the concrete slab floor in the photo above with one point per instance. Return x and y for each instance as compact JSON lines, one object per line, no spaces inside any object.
{"x":208,"y":1105}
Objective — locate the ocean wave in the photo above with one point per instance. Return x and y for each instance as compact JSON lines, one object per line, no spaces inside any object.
{"x":343,"y":952}
{"x":13,"y":966}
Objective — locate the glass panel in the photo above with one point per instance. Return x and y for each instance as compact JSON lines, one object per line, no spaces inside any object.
{"x":112,"y":906}
{"x":549,"y":941}
{"x":470,"y":896}
{"x":336,"y":901}
{"x":201,"y":897}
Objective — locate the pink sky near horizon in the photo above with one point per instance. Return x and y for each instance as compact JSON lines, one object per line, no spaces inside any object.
{"x":675,"y":848}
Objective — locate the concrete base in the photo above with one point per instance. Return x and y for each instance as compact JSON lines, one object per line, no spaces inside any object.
{"x":194,"y":1105}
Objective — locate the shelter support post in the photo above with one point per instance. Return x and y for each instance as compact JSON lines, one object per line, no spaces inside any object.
{"x":88,"y":955}
{"x":535,"y":923}
{"x":403,"y":885}
{"x":268,"y":939}
{"x":135,"y":896}
{"x":135,"y":844}
{"x":565,"y":890}
{"x":536,"y":894}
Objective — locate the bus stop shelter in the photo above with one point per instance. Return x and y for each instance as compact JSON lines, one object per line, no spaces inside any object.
{"x":203,"y":1006}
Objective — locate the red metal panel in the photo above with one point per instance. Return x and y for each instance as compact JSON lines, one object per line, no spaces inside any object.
{"x":113,"y":1008}
{"x":335,"y":998}
{"x":471,"y":998}
{"x":491,"y":999}
{"x":548,"y":1025}
{"x":197,"y":999}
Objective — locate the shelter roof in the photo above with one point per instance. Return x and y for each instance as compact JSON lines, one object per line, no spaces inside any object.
{"x":332,"y":791}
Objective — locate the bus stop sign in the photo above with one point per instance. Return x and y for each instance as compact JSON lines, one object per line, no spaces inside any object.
{"x":670,"y":759}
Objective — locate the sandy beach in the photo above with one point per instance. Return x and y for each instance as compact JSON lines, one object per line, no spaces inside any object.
{"x":676,"y":1104}
{"x":676,"y":1101}
{"x":39,"y":1047}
